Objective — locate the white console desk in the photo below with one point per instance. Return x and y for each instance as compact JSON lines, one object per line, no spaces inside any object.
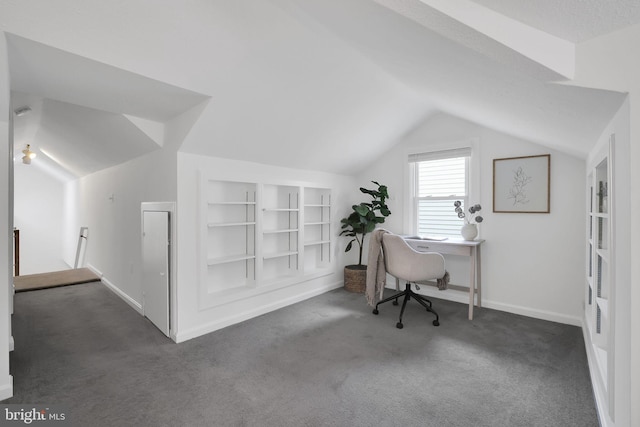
{"x":457,"y":246}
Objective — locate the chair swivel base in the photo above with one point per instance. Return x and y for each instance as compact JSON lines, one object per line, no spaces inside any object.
{"x":408,"y":294}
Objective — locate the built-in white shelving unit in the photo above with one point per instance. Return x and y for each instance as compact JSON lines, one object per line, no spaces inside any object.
{"x":599,"y":301}
{"x":317,"y":228}
{"x":229,"y":216}
{"x":280,"y":232}
{"x":257,"y":236}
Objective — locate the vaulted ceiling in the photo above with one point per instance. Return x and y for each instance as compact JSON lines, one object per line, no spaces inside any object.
{"x":86,"y":116}
{"x":327,"y":85}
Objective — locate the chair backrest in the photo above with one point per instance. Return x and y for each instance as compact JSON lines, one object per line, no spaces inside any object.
{"x":405,"y":263}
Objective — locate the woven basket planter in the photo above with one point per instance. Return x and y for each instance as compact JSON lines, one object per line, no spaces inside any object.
{"x":355,"y":278}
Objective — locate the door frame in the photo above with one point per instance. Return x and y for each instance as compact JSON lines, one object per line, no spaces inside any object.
{"x":169,"y":207}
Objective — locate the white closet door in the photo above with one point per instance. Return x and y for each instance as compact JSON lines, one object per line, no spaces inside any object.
{"x":155,"y":258}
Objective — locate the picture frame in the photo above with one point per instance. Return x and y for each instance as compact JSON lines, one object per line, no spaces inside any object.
{"x":522,"y":184}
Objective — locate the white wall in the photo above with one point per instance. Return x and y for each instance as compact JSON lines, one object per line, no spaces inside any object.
{"x":108,"y":202}
{"x":194,"y":320}
{"x":6,"y":223}
{"x":38,"y":214}
{"x":532,"y":264}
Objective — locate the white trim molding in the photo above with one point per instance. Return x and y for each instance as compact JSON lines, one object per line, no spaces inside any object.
{"x":116,"y":290}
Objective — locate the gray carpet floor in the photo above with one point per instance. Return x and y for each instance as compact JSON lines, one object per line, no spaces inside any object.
{"x":326,"y":361}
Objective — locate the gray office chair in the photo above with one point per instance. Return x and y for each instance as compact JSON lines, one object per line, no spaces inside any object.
{"x":404,"y":263}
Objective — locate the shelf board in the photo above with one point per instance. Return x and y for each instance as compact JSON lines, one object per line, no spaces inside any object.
{"x":232,"y":203}
{"x":317,"y":242}
{"x":279,"y":254}
{"x":317,"y":206}
{"x":604,"y":306}
{"x":600,"y":215}
{"x":318,"y":223}
{"x":229,"y":258}
{"x":288,"y":230}
{"x":603,"y":253}
{"x":229,"y":224}
{"x":281,"y":209}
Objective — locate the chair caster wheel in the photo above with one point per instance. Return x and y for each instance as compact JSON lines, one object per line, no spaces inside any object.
{"x":395,"y":302}
{"x":375,"y":311}
{"x":399,"y":325}
{"x":436,"y":323}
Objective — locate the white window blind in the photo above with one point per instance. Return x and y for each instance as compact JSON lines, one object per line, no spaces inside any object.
{"x":440,"y":178}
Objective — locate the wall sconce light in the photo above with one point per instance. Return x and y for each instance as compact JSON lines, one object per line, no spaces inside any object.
{"x":28,"y":155}
{"x":22,"y":111}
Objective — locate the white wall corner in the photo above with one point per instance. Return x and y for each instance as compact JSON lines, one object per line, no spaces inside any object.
{"x":154,"y":130}
{"x":116,"y":290}
{"x":606,"y":62}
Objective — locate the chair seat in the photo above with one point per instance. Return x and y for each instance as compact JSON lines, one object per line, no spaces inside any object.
{"x":409,"y":265}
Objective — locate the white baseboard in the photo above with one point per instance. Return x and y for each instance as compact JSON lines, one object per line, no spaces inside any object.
{"x":463,"y":297}
{"x":535,"y":313}
{"x":246,"y":315}
{"x":95,"y":270}
{"x":116,"y":290}
{"x":6,"y":389}
{"x":133,"y":303}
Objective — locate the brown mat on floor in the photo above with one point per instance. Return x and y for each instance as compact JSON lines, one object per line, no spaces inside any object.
{"x":32,"y":282}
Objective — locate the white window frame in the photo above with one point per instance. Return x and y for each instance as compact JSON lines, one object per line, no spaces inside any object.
{"x":472,"y":184}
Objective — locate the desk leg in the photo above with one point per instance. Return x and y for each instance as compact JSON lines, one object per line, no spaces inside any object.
{"x":472,"y":281}
{"x":479,"y":276}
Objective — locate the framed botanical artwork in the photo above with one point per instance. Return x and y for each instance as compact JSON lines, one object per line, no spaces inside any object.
{"x":522,"y":184}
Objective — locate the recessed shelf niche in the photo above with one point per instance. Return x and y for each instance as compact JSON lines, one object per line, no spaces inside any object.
{"x":229,"y":216}
{"x":260,"y":236}
{"x":317,"y":228}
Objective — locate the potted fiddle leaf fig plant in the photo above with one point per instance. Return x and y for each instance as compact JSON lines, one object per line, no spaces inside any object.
{"x":363,"y":220}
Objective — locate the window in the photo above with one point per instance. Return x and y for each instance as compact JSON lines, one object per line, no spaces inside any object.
{"x":439,"y":179}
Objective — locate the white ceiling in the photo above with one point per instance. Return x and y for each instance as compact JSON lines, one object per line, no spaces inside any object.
{"x":316,"y":84}
{"x":83,"y":116}
{"x":573,"y":20}
{"x":78,"y":140}
{"x":512,"y":97}
{"x":62,"y":76}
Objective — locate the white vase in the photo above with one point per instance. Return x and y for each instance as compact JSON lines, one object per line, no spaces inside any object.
{"x":469,"y":231}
